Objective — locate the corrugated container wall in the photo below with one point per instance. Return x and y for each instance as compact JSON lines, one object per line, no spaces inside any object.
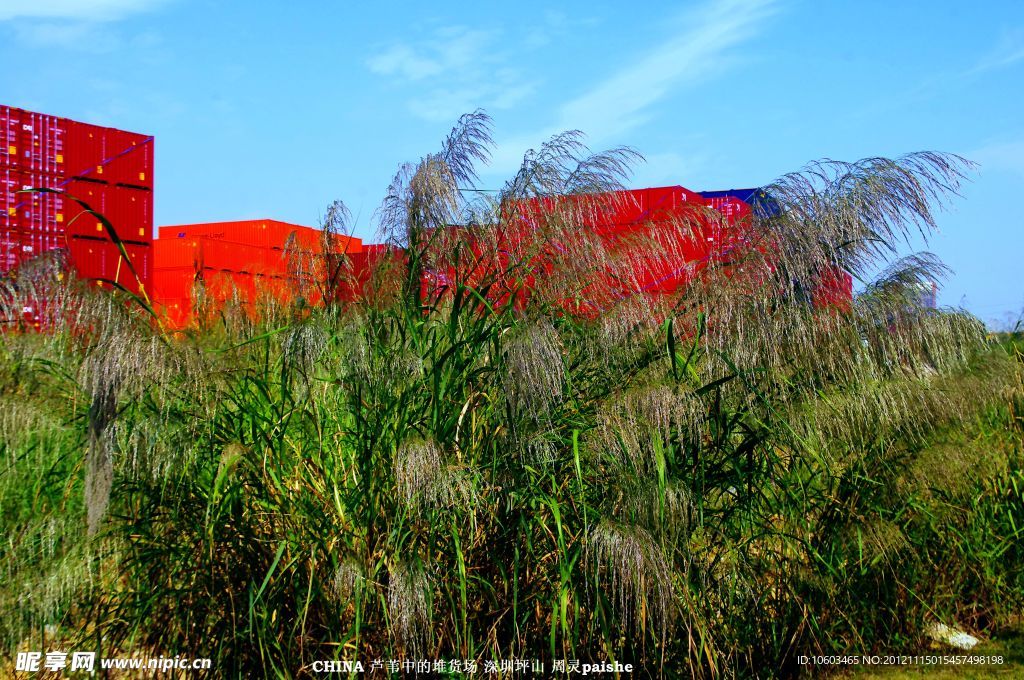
{"x":248,"y":259}
{"x":110,"y":170}
{"x":261,"y":233}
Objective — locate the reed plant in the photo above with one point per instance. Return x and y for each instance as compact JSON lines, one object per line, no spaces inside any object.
{"x":706,"y":483}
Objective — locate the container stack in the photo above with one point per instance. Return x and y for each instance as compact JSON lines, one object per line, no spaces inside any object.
{"x":110,"y":170}
{"x":834,"y":288}
{"x":247,"y":261}
{"x":656,"y":238}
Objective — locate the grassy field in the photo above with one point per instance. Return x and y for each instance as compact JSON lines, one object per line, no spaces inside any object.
{"x":708,"y":483}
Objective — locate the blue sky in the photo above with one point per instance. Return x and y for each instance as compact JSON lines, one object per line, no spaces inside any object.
{"x":266,"y":109}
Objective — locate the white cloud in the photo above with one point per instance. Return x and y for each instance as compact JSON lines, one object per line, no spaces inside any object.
{"x":403,"y":61}
{"x":1000,"y":157}
{"x":511,"y":94}
{"x":704,"y":46}
{"x":1007,"y":51}
{"x":622,"y":100}
{"x":1003,"y":59}
{"x":669,"y":168}
{"x":449,"y":50}
{"x":74,"y":10}
{"x":77,"y":25}
{"x":48,"y":33}
{"x":459,"y":69}
{"x":554,"y":24}
{"x":445,"y":104}
{"x":455,"y":70}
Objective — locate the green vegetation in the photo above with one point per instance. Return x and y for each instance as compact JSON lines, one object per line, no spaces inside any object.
{"x":708,"y":483}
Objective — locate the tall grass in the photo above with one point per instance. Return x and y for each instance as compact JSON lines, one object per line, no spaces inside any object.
{"x":708,"y":483}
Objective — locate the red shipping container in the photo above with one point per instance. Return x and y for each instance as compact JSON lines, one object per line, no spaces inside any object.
{"x":175,"y":253}
{"x":670,"y":202}
{"x":10,"y":123}
{"x":265,"y":233}
{"x":34,"y":211}
{"x":141,"y":256}
{"x":31,"y":142}
{"x":240,"y":257}
{"x":9,"y":185}
{"x":219,"y":255}
{"x":834,"y":289}
{"x":107,"y":154}
{"x":174,"y":284}
{"x":731,"y":207}
{"x":130,"y":159}
{"x":14,"y":151}
{"x":85,"y":150}
{"x":15,"y":247}
{"x":223,"y":286}
{"x":32,"y":243}
{"x":40,"y":143}
{"x":98,"y":259}
{"x":75,"y":220}
{"x":129,"y":210}
{"x":39,"y":150}
{"x":252,"y":232}
{"x":91,"y":259}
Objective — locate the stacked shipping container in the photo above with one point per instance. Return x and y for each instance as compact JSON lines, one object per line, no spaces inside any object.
{"x":656,"y":239}
{"x":246,"y":259}
{"x":110,"y":170}
{"x":835,"y":287}
{"x":663,"y":236}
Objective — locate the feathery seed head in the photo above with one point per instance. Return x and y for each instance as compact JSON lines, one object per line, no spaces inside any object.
{"x":535,"y":371}
{"x":425,"y":480}
{"x":640,"y":578}
{"x":409,"y":594}
{"x":630,"y":420}
{"x":349,"y":579}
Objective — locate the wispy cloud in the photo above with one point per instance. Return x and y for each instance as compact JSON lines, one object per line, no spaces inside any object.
{"x":669,"y":167}
{"x":449,"y":50}
{"x":624,"y":99}
{"x":1008,"y":51}
{"x":80,"y":25}
{"x":49,"y":33}
{"x":456,"y":69}
{"x":80,"y":36}
{"x":74,"y":10}
{"x":404,"y":61}
{"x":703,"y":44}
{"x":1001,"y":157}
{"x":1002,"y":60}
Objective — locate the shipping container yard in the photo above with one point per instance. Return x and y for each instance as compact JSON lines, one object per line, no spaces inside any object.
{"x":112,"y":171}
